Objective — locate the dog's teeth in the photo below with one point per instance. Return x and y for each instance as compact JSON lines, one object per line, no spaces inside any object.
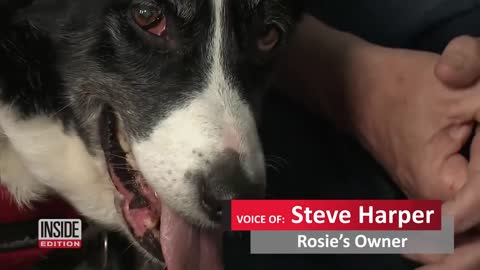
{"x":150,"y":223}
{"x":131,"y":161}
{"x":156,"y":194}
{"x":156,"y":233}
{"x":123,"y":142}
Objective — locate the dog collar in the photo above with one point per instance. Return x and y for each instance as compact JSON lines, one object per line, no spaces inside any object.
{"x":19,"y":229}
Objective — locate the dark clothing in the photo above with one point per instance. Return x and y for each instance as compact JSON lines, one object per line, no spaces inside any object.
{"x":401,"y":23}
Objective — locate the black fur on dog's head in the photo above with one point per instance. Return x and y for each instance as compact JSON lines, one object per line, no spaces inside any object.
{"x":166,"y":91}
{"x":147,"y":77}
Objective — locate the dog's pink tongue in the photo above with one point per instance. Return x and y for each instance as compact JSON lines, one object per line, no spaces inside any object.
{"x":187,"y":248}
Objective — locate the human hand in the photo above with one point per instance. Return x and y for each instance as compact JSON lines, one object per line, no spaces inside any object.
{"x":464,"y":208}
{"x":414,"y":124}
{"x":459,"y":67}
{"x":411,"y":122}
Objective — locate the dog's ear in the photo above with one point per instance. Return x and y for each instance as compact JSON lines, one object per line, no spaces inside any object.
{"x":290,"y":13}
{"x":286,"y":13}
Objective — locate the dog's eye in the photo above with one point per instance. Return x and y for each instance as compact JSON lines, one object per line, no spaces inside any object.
{"x":269,"y":39}
{"x":150,"y":19}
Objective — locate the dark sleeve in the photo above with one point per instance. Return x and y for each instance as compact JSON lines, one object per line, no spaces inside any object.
{"x":394,"y":23}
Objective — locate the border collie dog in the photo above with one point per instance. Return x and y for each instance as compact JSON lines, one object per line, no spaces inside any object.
{"x":140,"y":113}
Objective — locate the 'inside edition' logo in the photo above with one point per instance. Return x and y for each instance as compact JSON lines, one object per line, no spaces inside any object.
{"x":60,"y":233}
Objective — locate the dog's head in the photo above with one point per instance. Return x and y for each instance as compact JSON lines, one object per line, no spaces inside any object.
{"x":169,"y":91}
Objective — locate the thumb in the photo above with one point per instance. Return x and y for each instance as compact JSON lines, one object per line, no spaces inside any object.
{"x":464,"y":206}
{"x":459,"y":65}
{"x":454,"y":175}
{"x":452,"y":172}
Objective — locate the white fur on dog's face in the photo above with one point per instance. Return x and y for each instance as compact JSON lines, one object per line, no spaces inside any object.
{"x":190,"y":138}
{"x":38,"y":157}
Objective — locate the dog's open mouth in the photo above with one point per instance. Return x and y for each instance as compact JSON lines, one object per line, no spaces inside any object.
{"x":165,"y":235}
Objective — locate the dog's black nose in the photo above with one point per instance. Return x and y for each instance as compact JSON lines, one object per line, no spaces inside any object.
{"x":228,"y":180}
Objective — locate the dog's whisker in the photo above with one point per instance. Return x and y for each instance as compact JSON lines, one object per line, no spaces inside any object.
{"x":126,"y":163}
{"x":126,"y":167}
{"x":123,"y":168}
{"x":272,"y":162}
{"x":115,"y":155}
{"x":101,"y":151}
{"x":62,"y":109}
{"x":275,"y":163}
{"x":126,"y":249}
{"x":273,"y":167}
{"x":120,"y":164}
{"x":277,"y":159}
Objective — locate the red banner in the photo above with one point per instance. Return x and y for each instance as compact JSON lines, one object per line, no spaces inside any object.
{"x":328,"y":215}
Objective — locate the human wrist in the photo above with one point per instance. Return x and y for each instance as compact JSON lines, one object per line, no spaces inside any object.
{"x":367,"y":74}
